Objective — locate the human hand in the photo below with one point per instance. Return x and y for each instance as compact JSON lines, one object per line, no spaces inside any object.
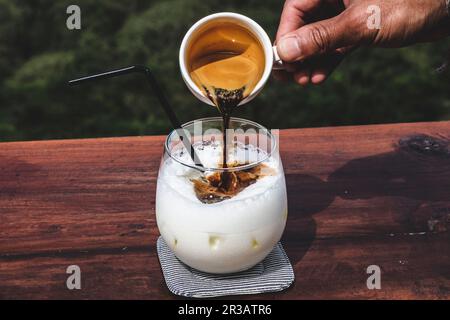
{"x":315,"y":35}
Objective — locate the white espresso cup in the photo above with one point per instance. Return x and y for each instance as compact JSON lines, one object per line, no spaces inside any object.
{"x":272,"y":60}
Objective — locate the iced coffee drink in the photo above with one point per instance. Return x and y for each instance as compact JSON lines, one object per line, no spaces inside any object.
{"x":216,"y":218}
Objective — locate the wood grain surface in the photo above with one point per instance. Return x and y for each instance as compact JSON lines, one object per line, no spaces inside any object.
{"x":357,"y":196}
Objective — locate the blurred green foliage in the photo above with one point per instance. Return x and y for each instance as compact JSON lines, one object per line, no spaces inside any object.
{"x":38,"y":54}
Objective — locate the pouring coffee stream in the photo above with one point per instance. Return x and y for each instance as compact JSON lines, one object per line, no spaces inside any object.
{"x":226,"y":62}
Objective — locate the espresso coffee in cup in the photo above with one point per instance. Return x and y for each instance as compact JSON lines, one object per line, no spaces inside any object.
{"x":211,"y":33}
{"x":225,"y":56}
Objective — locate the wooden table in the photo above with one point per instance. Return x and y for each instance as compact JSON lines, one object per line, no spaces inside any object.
{"x":358,"y":196}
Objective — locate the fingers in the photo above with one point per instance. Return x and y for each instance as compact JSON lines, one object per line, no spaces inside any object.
{"x":321,"y":37}
{"x":314,"y":71}
{"x":322,"y":71}
{"x":319,"y":76}
{"x":302,"y":77}
{"x":293,"y":15}
{"x":312,"y":51}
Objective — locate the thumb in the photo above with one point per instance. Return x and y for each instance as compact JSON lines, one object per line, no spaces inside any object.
{"x":320,"y":37}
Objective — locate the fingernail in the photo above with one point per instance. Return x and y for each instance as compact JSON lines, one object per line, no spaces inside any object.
{"x":289,"y":49}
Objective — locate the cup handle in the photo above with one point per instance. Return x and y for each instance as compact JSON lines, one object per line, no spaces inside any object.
{"x":277,"y":62}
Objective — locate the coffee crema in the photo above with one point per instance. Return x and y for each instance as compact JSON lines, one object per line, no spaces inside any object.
{"x":226,"y":62}
{"x":225,"y":56}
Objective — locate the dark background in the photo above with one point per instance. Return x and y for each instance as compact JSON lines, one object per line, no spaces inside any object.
{"x":38,"y":54}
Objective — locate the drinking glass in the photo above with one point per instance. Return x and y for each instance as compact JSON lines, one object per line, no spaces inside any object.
{"x":230,"y":235}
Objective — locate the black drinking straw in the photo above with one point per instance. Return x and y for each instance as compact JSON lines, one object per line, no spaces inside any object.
{"x":160,"y":95}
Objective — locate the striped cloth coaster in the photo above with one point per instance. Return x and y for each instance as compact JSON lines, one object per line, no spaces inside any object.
{"x":273,"y":274}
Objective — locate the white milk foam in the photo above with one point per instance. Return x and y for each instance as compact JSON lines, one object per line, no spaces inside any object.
{"x":227,"y":236}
